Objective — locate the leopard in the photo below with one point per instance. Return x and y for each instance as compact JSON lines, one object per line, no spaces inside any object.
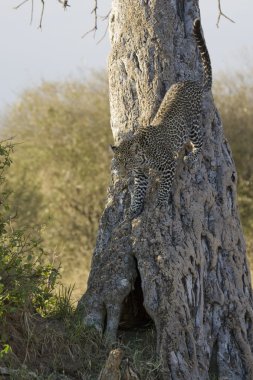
{"x":156,"y":147}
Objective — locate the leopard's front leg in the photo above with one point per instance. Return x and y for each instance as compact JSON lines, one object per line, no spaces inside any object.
{"x":138,"y":196}
{"x":167,"y":176}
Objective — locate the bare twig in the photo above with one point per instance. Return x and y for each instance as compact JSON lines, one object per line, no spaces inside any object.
{"x":22,"y":3}
{"x":42,"y":13}
{"x":95,"y":27}
{"x":103,"y":18}
{"x":222,"y":14}
{"x":103,"y":36}
{"x":64,"y":3}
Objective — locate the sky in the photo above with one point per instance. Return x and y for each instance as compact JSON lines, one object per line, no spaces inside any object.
{"x":30,"y":55}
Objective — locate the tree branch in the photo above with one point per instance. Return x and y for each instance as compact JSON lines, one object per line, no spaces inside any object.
{"x":64,"y":3}
{"x":222,"y":14}
{"x":103,"y":36}
{"x":42,"y":13}
{"x":103,"y":18}
{"x":95,"y":27}
{"x":22,"y":3}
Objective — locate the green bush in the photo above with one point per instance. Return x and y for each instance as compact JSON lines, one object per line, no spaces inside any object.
{"x":26,"y":284}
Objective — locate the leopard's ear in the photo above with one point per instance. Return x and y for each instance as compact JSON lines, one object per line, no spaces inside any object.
{"x":113,"y":148}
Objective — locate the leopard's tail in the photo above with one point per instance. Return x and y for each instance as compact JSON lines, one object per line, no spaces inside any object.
{"x":207,"y":82}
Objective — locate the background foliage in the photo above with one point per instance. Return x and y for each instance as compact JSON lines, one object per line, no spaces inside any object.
{"x":61,"y":167}
{"x":234,"y":98}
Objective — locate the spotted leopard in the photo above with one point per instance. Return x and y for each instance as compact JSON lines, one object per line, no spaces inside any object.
{"x":176,"y":123}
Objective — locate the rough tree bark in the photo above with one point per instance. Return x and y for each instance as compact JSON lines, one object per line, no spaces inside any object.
{"x":191,"y":255}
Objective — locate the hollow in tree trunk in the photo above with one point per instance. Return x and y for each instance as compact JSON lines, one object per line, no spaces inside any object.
{"x":189,"y":257}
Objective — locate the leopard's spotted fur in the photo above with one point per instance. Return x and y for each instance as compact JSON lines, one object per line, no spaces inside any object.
{"x":176,"y":123}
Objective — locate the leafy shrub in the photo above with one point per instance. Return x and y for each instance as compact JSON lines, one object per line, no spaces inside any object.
{"x":26,"y":284}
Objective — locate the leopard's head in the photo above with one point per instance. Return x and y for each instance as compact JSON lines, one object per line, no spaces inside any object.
{"x":125,"y":155}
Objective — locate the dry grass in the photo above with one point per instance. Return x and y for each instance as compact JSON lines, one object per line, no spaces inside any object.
{"x":51,"y":348}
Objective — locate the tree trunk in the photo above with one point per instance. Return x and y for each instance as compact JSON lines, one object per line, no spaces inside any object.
{"x":190,"y":256}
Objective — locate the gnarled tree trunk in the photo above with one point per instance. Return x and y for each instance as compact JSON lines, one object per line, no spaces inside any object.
{"x":190,"y":256}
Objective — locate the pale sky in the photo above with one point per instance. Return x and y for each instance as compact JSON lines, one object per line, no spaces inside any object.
{"x":29,"y":55}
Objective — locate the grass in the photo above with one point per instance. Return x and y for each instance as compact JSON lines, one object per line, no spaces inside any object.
{"x":61,"y":348}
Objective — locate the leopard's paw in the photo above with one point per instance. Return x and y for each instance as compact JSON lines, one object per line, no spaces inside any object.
{"x":135,"y":212}
{"x":189,"y":159}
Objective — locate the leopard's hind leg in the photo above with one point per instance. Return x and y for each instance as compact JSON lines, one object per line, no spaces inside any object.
{"x":196,"y":138}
